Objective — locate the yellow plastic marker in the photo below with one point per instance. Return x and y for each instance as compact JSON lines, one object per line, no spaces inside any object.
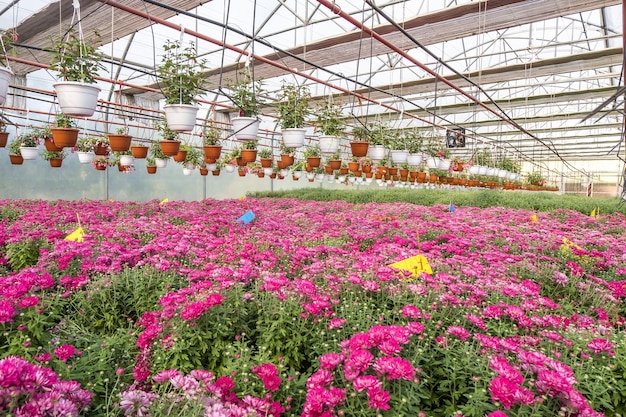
{"x":76,"y":235}
{"x":569,"y":243}
{"x":165,"y":200}
{"x":534,"y":219}
{"x":415,"y":264}
{"x":242,"y":198}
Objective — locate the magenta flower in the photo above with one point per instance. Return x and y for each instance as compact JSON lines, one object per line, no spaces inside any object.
{"x":598,"y":346}
{"x":64,"y":352}
{"x":269,"y":375}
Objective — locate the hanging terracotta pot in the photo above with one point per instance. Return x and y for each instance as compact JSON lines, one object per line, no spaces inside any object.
{"x":314,"y":161}
{"x":266,"y":162}
{"x":16,"y":159}
{"x":359,"y":149}
{"x":353,"y":166}
{"x":101,"y":150}
{"x":216,"y":172}
{"x":64,"y":137}
{"x":51,"y":146}
{"x":180,"y":156}
{"x":151,"y":169}
{"x":120,"y":143}
{"x":4,"y":136}
{"x":170,"y":147}
{"x":248,"y":155}
{"x":287,"y":159}
{"x":335,"y":163}
{"x":139,"y":151}
{"x":212,"y":152}
{"x":56,"y":162}
{"x":204,"y":172}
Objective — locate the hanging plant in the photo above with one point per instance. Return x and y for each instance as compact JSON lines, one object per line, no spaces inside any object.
{"x":293,"y":105}
{"x":246,"y":94}
{"x":76,"y":60}
{"x":329,"y":120}
{"x":181,"y":73}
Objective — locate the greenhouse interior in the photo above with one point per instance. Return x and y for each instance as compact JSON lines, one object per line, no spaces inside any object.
{"x":314,"y":208}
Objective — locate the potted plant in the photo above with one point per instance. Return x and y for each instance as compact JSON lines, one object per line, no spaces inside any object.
{"x":232,"y":159}
{"x":100,"y":162}
{"x":361,"y":141}
{"x":193,"y":158}
{"x":293,"y":108}
{"x":312,"y":153}
{"x":267,"y":157}
{"x":55,"y":158}
{"x":139,"y":150}
{"x":246,"y":95}
{"x":414,"y":141}
{"x":28,"y":146}
{"x":4,"y":135}
{"x":84,"y":149}
{"x":151,"y":165}
{"x":211,"y":139}
{"x":170,"y":143}
{"x":15,"y":153}
{"x":331,"y":126}
{"x":182,"y":152}
{"x":120,"y":140}
{"x":156,"y":152}
{"x":249,"y":151}
{"x":44,"y":134}
{"x":287,"y":155}
{"x":397,"y":148}
{"x":125,"y":158}
{"x":535,"y":178}
{"x":77,"y":63}
{"x":64,"y":131}
{"x":181,"y":78}
{"x":8,"y":37}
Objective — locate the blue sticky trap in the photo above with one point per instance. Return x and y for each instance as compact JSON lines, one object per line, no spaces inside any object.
{"x":451,"y":208}
{"x":247,"y":217}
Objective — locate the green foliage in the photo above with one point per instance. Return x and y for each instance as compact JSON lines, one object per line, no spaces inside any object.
{"x":181,"y":73}
{"x":484,"y":198}
{"x":64,"y":121}
{"x":329,"y":119}
{"x":293,"y":105}
{"x":75,"y":59}
{"x":24,"y":253}
{"x":48,"y":155}
{"x":10,"y":213}
{"x":246,"y":94}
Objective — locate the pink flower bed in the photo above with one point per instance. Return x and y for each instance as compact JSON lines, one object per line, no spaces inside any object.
{"x":297,"y":313}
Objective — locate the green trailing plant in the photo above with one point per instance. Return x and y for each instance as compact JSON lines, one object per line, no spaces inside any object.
{"x":266,"y":153}
{"x":150,"y":161}
{"x":482,"y":157}
{"x":414,"y":141}
{"x":62,"y":120}
{"x":211,"y":135}
{"x":329,"y":120}
{"x":298,"y":165}
{"x":285,"y":150}
{"x":247,"y":94}
{"x":312,"y":150}
{"x":27,"y":140}
{"x":181,"y":73}
{"x":251,"y":144}
{"x":535,"y":178}
{"x":381,"y":134}
{"x":293,"y":105}
{"x":85,"y":143}
{"x":7,"y":37}
{"x":48,"y":155}
{"x":194,"y":157}
{"x":14,"y":147}
{"x":361,"y":133}
{"x":156,"y":152}
{"x":75,"y":59}
{"x":165,"y":131}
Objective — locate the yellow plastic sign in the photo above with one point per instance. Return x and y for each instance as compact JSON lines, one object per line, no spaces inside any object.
{"x":76,"y":235}
{"x":534,"y":219}
{"x":415,"y":265}
{"x":165,"y":200}
{"x":595,"y":213}
{"x":568,"y":243}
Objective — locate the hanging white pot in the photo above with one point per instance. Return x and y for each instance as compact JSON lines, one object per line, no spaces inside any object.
{"x":492,"y":172}
{"x":293,"y":137}
{"x":398,"y":156}
{"x":126,"y":160}
{"x":29,"y":153}
{"x":474,"y":169}
{"x":376,"y":152}
{"x":5,"y":80}
{"x":502,"y":173}
{"x":414,"y":159}
{"x":319,"y":177}
{"x":230,"y":168}
{"x":268,"y":171}
{"x":211,"y":167}
{"x":341,"y":178}
{"x":310,"y":175}
{"x":85,"y":157}
{"x":245,"y":128}
{"x":330,"y":178}
{"x":186,"y":171}
{"x":180,"y":117}
{"x":444,"y":164}
{"x":77,"y":99}
{"x":329,"y":144}
{"x":482,"y":170}
{"x":432,"y":162}
{"x":160,"y":162}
